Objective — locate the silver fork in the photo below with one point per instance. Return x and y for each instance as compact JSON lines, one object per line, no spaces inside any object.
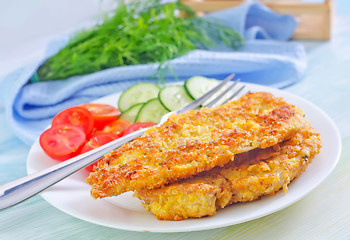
{"x":21,"y":189}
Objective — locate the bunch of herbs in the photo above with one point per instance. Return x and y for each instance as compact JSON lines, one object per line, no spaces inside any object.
{"x":138,"y":33}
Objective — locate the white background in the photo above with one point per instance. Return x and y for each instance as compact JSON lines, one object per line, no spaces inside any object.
{"x":26,"y":26}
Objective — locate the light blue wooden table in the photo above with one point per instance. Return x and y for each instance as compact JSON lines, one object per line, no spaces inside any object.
{"x":323,"y":214}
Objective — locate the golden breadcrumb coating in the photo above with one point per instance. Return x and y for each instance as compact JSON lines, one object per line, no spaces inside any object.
{"x":195,"y":141}
{"x":252,"y":175}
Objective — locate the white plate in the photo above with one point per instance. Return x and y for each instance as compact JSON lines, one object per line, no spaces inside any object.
{"x":72,"y":195}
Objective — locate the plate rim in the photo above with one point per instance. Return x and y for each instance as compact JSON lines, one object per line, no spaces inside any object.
{"x":282,"y":93}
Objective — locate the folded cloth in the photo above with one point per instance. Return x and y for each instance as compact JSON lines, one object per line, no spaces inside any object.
{"x":266,"y":58}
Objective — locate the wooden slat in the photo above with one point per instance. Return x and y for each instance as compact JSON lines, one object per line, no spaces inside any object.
{"x":315,"y":18}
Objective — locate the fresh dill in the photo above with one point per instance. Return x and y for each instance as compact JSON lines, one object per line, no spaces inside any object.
{"x":138,"y":33}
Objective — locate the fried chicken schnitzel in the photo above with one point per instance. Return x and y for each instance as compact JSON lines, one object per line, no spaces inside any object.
{"x":250,"y":176}
{"x":196,"y":141}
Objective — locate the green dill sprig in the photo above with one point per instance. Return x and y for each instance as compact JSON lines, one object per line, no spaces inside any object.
{"x":138,"y":33}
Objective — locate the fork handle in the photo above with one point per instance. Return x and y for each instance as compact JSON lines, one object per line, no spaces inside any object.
{"x":21,"y":189}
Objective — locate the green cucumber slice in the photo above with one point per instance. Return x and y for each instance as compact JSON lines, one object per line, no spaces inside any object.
{"x":197,"y":86}
{"x":131,"y":113}
{"x":139,"y":93}
{"x":174,"y":97}
{"x":151,"y":111}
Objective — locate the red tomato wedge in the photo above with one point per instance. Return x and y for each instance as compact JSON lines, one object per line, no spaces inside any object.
{"x":76,"y":116}
{"x":90,"y":168}
{"x":137,"y":126}
{"x":117,"y":127}
{"x":102,"y":114}
{"x":97,"y":140}
{"x":62,"y":142}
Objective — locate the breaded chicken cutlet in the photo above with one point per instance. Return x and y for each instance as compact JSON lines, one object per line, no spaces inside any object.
{"x":196,"y":141}
{"x":250,"y":176}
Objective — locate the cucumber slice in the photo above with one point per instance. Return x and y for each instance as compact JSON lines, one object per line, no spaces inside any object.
{"x":174,"y":97}
{"x":151,"y":111}
{"x":197,"y":86}
{"x":139,"y":93}
{"x":131,"y":113}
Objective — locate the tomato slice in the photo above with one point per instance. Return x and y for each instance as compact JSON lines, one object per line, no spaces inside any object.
{"x":76,"y":116}
{"x":117,"y":127}
{"x":102,"y":114}
{"x":97,"y":140}
{"x":90,"y":168}
{"x":62,"y":142}
{"x":137,"y":126}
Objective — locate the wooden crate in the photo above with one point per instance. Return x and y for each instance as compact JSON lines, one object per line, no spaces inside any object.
{"x":315,"y":19}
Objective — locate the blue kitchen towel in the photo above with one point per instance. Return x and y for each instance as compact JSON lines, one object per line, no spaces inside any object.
{"x":266,"y":58}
